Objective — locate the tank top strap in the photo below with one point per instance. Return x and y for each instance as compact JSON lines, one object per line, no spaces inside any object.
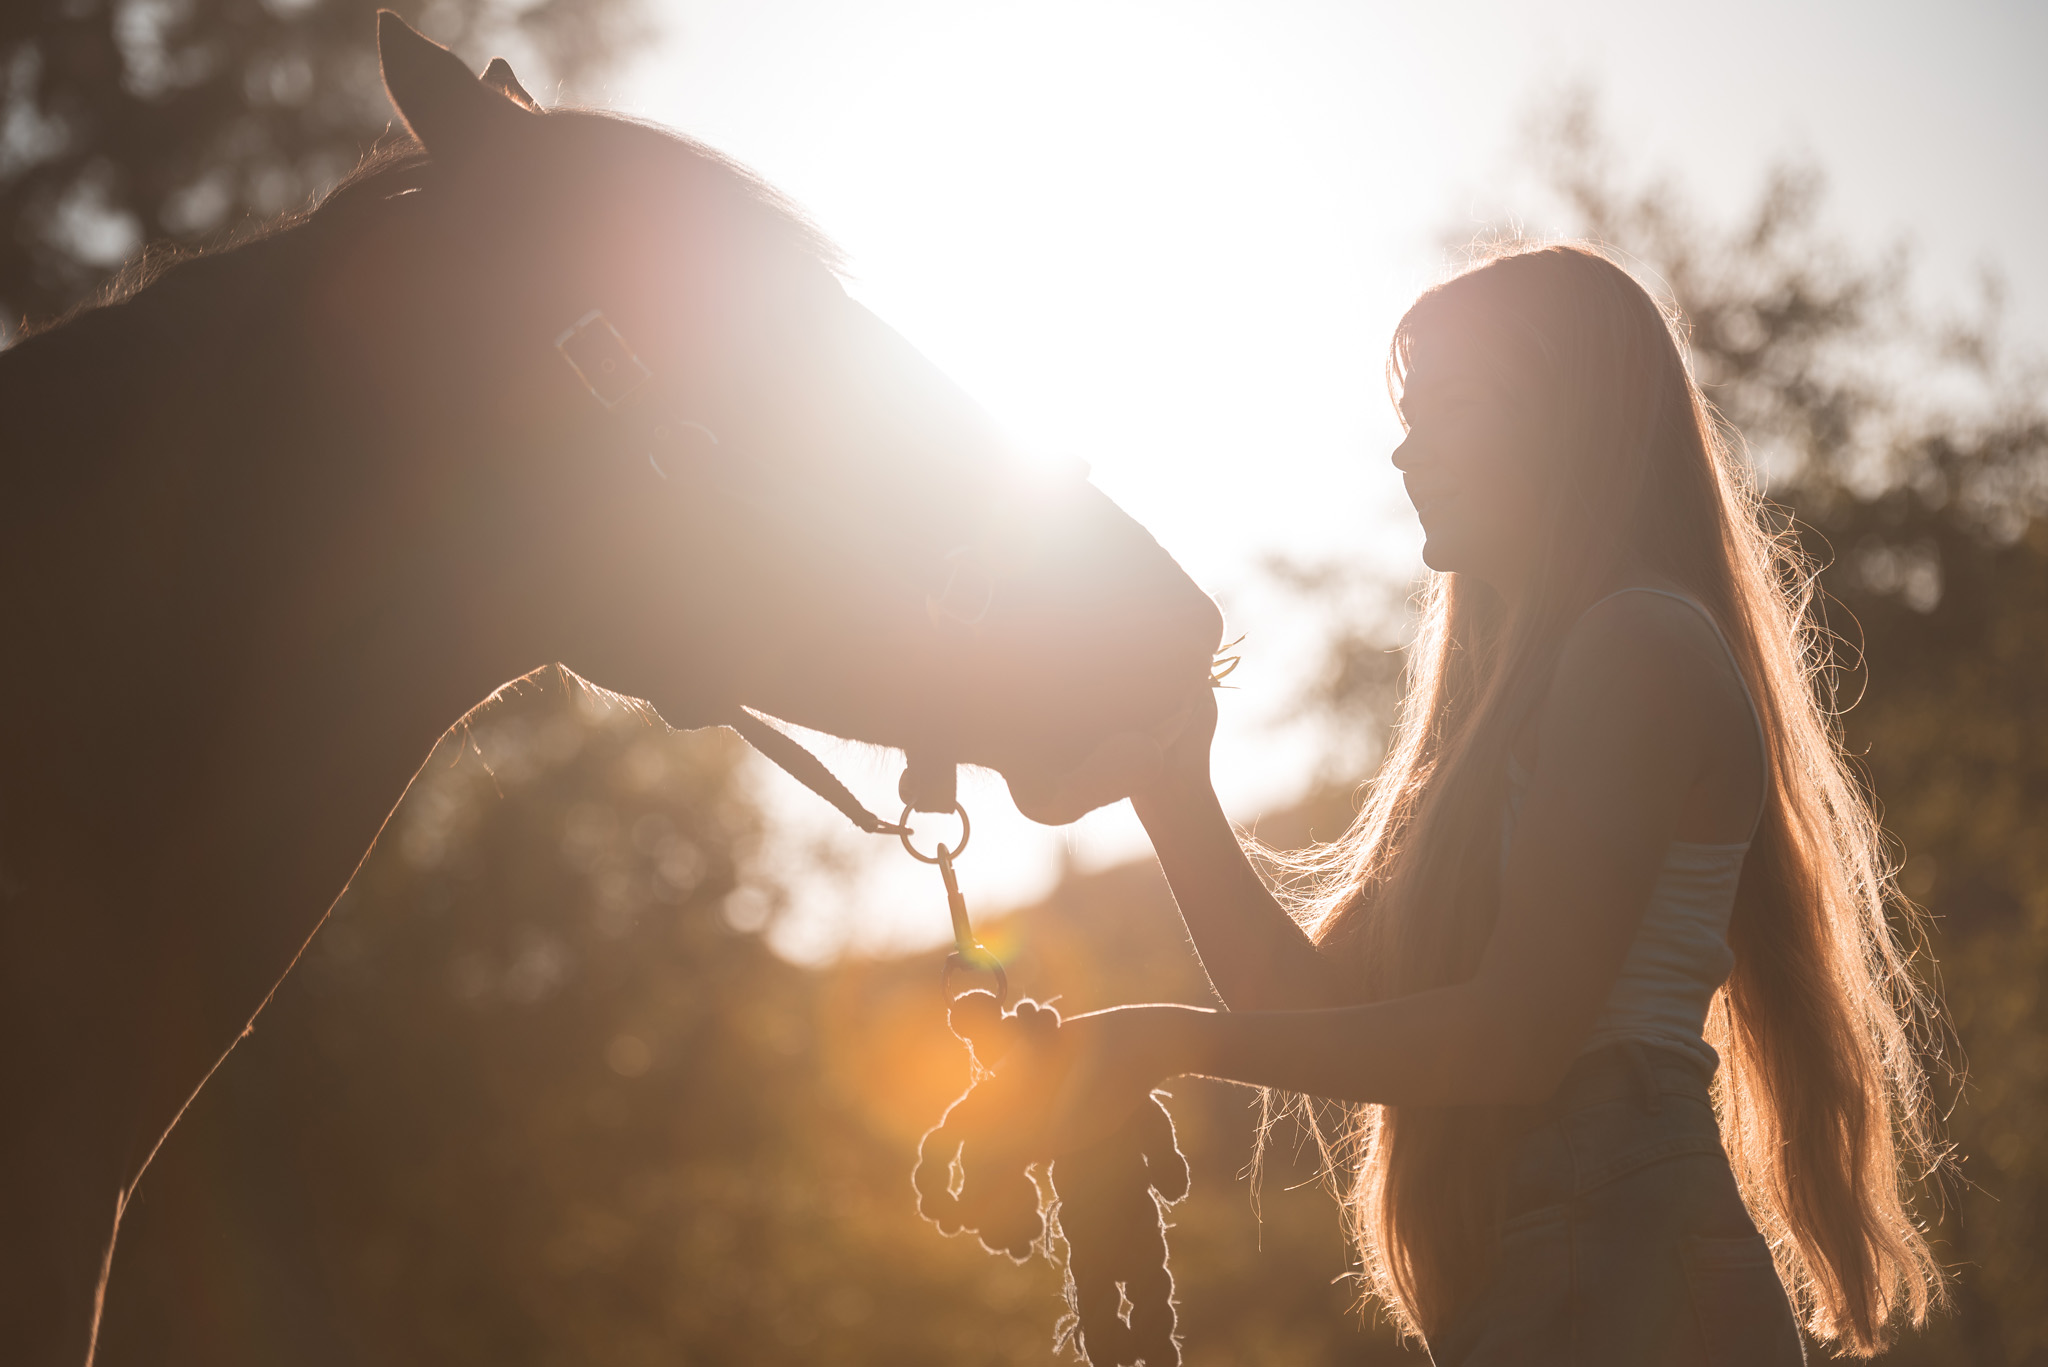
{"x":1755,"y":717}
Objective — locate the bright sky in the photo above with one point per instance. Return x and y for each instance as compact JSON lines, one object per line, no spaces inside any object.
{"x":1172,"y":239}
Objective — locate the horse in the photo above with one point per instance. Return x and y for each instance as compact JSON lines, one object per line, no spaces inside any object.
{"x":531,"y":387}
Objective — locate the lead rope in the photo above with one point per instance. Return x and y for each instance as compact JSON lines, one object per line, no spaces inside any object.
{"x":782,"y":750}
{"x":1103,"y":1206}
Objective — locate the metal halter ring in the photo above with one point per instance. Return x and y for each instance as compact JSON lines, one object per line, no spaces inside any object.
{"x":966,"y":832}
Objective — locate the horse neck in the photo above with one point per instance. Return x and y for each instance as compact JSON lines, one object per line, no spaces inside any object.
{"x":226,"y":664}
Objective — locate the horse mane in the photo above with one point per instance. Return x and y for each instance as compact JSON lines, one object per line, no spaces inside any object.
{"x":69,"y":378}
{"x":396,"y":164}
{"x":387,"y":165}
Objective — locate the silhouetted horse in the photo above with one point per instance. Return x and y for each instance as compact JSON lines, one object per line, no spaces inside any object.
{"x":272,"y":521}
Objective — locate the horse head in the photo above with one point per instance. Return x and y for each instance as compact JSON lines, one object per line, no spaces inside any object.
{"x":699,"y":473}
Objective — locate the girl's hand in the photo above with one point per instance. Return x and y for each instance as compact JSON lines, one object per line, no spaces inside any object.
{"x":1183,"y":768}
{"x":1074,"y":1089}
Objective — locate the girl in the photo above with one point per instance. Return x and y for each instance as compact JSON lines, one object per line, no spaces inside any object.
{"x":1605,"y":967}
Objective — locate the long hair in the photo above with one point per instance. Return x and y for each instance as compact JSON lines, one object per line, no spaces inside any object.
{"x":1821,"y":1094}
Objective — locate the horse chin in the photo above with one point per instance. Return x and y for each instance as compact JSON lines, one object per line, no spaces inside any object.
{"x":1117,"y":767}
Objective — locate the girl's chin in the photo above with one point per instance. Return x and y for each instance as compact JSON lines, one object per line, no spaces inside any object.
{"x":1440,"y":553}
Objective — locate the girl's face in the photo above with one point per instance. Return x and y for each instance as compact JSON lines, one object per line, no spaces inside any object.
{"x":1470,"y":462}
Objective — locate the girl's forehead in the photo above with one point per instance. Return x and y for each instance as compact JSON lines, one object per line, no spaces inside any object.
{"x":1447,"y":359}
{"x":1451,"y":348}
{"x":1428,"y":381}
{"x":1443,"y":378}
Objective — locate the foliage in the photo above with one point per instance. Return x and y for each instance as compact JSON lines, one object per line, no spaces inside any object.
{"x":124,"y":122}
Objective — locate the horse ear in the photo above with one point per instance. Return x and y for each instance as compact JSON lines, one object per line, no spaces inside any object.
{"x":499,"y":74}
{"x":451,"y":112}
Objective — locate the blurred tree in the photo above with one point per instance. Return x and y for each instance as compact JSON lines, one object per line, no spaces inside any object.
{"x":1910,"y":452}
{"x":128,"y":122}
{"x":1352,"y":694}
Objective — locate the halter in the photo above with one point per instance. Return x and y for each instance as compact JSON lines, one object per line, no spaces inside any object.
{"x":622,"y":384}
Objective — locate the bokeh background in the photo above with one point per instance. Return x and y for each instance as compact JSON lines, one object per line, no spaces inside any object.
{"x":619,"y":1049}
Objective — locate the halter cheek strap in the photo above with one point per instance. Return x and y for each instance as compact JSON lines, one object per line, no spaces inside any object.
{"x":620,"y":381}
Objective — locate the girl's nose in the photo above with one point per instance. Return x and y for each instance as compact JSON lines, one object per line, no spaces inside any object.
{"x":1407,"y":456}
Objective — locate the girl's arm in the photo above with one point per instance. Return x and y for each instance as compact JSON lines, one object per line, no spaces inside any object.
{"x":1625,"y":734}
{"x":1256,"y":956}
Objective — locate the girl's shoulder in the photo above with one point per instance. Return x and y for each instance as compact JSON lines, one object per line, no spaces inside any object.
{"x":1651,"y":624}
{"x":1652,"y":651}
